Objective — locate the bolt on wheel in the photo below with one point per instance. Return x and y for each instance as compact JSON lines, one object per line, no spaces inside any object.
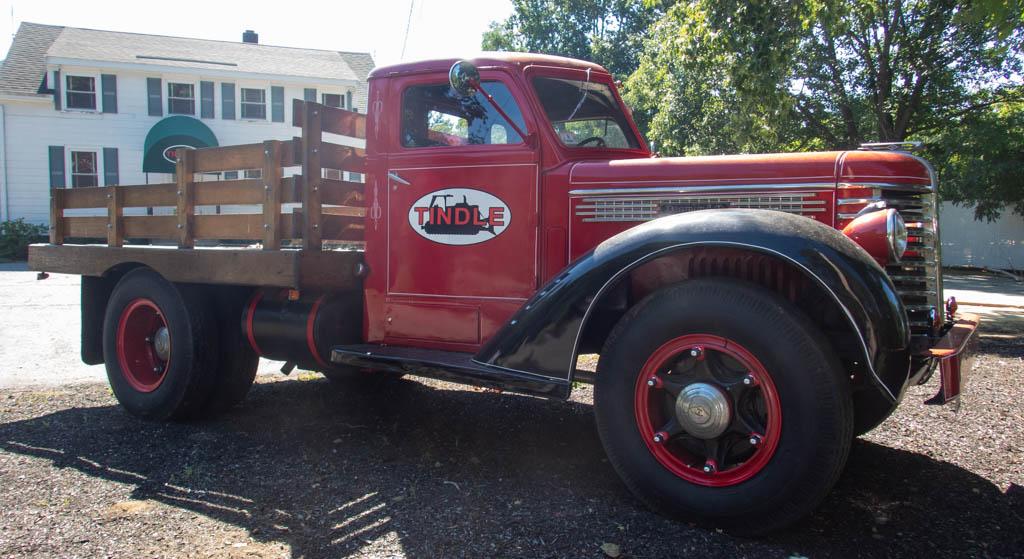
{"x":143,"y":345}
{"x":708,"y":410}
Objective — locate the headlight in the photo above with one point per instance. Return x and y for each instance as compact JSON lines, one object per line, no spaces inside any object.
{"x":881,"y":232}
{"x":896,"y":231}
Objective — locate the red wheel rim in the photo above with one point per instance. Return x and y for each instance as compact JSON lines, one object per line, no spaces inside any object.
{"x":736,"y":378}
{"x":137,"y":330}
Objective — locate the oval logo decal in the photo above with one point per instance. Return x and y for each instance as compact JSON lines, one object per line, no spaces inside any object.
{"x":459,"y":216}
{"x":171,"y":152}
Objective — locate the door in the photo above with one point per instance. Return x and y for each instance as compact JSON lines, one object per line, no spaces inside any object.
{"x":462,"y":216}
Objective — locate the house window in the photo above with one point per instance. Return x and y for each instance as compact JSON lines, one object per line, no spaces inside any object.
{"x":230,"y":175}
{"x":84,"y":171}
{"x":81,"y":92}
{"x":253,"y":173}
{"x":333,"y":100}
{"x":181,"y":98}
{"x":333,"y":174}
{"x":254,"y":103}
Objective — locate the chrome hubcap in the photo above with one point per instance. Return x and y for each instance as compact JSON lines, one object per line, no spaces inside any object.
{"x":162,"y":343}
{"x":703,"y":410}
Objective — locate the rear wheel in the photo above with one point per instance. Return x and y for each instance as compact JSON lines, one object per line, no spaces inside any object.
{"x":238,"y":362}
{"x":719,"y":401}
{"x":159,"y":346}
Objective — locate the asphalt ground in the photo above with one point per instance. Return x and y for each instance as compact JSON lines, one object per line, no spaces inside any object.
{"x":420,"y":468}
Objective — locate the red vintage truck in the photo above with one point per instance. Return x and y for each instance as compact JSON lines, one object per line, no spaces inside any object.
{"x":752,"y":313}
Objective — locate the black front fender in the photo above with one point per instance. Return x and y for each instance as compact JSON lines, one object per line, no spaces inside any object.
{"x":543,"y":336}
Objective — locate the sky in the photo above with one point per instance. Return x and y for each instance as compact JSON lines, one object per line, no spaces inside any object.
{"x":438,"y":28}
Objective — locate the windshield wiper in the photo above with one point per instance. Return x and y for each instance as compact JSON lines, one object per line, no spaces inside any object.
{"x":582,"y":97}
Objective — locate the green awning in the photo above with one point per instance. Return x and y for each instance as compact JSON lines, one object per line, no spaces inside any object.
{"x":171,"y":133}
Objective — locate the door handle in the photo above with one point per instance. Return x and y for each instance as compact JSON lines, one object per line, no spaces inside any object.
{"x":394,"y":176}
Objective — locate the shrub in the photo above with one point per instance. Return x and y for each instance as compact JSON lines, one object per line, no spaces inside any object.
{"x":15,"y":236}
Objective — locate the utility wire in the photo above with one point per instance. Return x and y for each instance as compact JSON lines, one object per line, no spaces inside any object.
{"x":408,"y":22}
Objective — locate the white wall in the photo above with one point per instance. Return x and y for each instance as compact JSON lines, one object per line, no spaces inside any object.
{"x":33,"y":126}
{"x":966,"y":242}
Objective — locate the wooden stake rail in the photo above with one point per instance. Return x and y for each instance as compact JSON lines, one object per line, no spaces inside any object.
{"x":329,"y":210}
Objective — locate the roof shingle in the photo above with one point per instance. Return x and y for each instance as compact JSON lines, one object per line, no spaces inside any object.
{"x":23,"y":70}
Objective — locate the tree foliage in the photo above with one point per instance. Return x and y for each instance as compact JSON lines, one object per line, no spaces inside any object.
{"x":728,"y":76}
{"x":609,"y":32}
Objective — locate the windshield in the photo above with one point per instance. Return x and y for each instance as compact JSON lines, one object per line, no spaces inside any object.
{"x":584,"y":114}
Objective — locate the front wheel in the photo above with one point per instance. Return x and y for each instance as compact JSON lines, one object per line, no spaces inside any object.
{"x":719,"y":401}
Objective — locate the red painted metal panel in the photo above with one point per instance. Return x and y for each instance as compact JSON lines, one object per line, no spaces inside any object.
{"x":726,"y":169}
{"x":882,"y":166}
{"x":433,"y":321}
{"x":434,"y":262}
{"x":447,"y":227}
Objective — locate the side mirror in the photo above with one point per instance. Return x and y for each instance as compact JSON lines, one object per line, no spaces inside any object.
{"x":464,"y":78}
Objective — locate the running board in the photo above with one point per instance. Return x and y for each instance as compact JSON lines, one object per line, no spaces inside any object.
{"x":450,"y":366}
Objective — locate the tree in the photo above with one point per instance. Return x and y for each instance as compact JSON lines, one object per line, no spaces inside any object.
{"x":728,"y":76}
{"x":608,"y":32}
{"x":981,"y":160}
{"x":719,"y":76}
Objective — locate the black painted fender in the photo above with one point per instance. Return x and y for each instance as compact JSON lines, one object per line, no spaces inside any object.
{"x":543,"y":336}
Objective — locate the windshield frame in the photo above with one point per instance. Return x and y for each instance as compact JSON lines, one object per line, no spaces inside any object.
{"x":533,"y":72}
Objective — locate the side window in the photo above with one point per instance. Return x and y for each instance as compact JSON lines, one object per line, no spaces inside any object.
{"x":434,"y":115}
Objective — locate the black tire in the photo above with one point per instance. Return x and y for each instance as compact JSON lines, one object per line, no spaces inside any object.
{"x":184,"y":385}
{"x":812,"y":394}
{"x":238,"y":362}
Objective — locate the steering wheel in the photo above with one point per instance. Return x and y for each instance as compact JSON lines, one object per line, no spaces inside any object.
{"x":595,"y":139}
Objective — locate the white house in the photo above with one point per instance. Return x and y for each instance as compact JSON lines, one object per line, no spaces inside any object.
{"x":83,"y":107}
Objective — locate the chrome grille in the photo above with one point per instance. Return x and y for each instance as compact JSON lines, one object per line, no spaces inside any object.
{"x":917,"y":276}
{"x":606,"y":209}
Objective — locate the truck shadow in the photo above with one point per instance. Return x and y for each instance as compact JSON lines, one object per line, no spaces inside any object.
{"x":443,"y":472}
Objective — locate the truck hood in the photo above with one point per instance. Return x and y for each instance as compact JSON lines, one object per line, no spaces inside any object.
{"x":778,"y":168}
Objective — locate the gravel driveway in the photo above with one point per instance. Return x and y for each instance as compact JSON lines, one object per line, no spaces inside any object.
{"x":421,"y":468}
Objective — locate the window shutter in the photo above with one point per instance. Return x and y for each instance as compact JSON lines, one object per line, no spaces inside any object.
{"x":108,"y":84}
{"x":110,"y":173}
{"x":206,"y":99}
{"x":56,"y":166}
{"x":56,"y":90}
{"x":348,"y":101}
{"x":155,"y":91}
{"x":276,"y":103}
{"x":310,"y":94}
{"x":227,"y":95}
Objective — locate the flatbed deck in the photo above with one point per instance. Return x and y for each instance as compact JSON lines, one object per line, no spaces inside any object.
{"x":295,"y":269}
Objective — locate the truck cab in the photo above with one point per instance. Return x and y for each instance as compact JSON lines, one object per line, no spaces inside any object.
{"x":752,"y":313}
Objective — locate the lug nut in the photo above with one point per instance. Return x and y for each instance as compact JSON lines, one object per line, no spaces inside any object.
{"x":156,"y":369}
{"x":755,"y":440}
{"x":654,"y":382}
{"x":709,"y":467}
{"x":749,"y":380}
{"x":697,"y":352}
{"x":660,"y":437}
{"x":149,"y":340}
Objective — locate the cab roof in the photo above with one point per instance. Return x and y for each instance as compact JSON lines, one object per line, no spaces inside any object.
{"x":512,"y":60}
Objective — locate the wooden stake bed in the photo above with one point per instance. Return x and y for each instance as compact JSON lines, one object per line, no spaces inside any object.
{"x":322,"y":210}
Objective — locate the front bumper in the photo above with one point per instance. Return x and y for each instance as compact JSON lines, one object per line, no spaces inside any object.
{"x":955,"y":354}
